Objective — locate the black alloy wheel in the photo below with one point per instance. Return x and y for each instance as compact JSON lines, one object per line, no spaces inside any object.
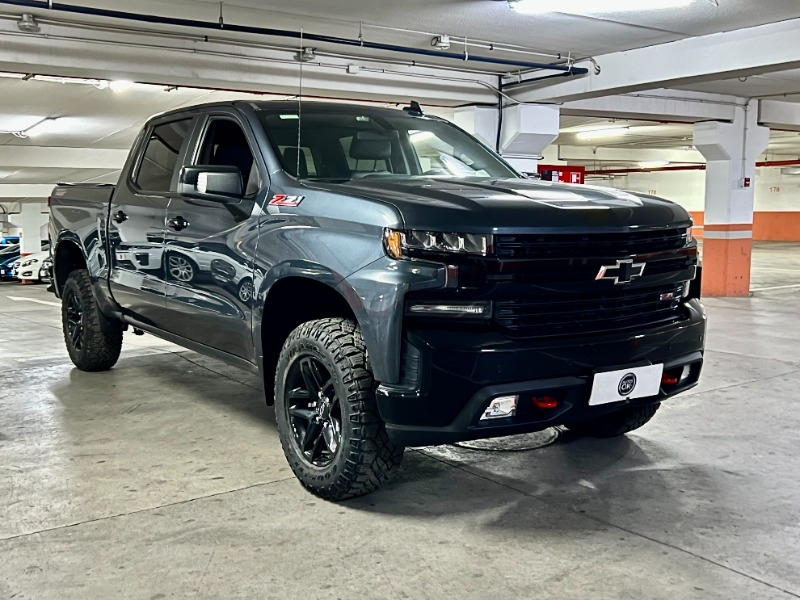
{"x":93,"y":340}
{"x":315,"y":411}
{"x":328,"y":420}
{"x":74,"y":319}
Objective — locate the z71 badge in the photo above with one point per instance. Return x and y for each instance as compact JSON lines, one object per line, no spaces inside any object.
{"x":284,"y":200}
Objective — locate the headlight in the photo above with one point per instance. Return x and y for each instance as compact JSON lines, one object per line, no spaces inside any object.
{"x":689,"y":235}
{"x":399,"y":243}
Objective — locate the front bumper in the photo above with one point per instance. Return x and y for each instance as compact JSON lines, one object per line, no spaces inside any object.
{"x":450,"y":377}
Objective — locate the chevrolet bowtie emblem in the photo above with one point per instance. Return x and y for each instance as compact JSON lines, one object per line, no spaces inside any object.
{"x":624,"y":271}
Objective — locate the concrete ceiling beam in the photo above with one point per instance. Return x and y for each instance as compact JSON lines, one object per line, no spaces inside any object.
{"x":625,"y":155}
{"x":20,"y":157}
{"x":657,"y":105}
{"x":64,"y":51}
{"x":740,"y":53}
{"x":779,"y":115}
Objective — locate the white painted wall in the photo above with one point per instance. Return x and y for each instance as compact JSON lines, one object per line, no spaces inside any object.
{"x":774,"y":191}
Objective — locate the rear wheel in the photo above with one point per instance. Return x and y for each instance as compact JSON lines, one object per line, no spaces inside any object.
{"x":617,"y":423}
{"x":93,"y":341}
{"x":328,"y":421}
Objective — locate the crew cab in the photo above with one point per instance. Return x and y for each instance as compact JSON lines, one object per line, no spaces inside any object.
{"x":394,"y":282}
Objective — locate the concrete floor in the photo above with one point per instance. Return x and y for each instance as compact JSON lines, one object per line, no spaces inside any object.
{"x":164,"y":478}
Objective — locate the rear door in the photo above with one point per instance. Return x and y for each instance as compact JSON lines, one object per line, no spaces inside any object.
{"x":137,"y":221}
{"x":210,"y":245}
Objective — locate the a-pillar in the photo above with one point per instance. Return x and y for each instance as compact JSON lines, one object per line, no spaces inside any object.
{"x":526,"y":130}
{"x":30,"y":221}
{"x":731,"y":151}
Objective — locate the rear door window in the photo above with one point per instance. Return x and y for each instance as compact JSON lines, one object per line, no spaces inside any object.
{"x":161,"y":154}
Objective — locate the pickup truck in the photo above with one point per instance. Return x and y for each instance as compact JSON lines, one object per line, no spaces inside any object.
{"x":394,"y":282}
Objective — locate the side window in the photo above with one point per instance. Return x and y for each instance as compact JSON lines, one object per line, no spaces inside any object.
{"x":161,"y":155}
{"x":225,"y":144}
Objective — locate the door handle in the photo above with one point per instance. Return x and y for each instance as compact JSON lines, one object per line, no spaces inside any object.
{"x":119,"y":217}
{"x":178,"y":223}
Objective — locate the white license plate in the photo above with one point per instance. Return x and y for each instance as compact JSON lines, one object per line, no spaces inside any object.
{"x":625,"y":384}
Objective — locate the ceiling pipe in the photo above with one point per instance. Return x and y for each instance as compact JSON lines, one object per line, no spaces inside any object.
{"x":762,"y":164}
{"x":265,"y":31}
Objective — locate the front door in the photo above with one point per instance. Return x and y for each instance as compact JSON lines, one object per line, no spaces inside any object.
{"x":136,"y":224}
{"x":210,"y":247}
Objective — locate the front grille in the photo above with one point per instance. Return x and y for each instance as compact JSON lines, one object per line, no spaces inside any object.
{"x":580,"y":314}
{"x":580,"y":245}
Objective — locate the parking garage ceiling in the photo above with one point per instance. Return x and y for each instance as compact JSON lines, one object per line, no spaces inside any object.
{"x":93,"y":116}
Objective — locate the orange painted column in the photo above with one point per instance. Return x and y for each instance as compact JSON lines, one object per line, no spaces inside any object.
{"x":731,"y":151}
{"x":727,"y":253}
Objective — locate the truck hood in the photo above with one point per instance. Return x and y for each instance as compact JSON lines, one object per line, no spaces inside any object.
{"x":513,"y":204}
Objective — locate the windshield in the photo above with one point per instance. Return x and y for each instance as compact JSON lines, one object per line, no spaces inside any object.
{"x":348,"y":144}
{"x":9,"y":249}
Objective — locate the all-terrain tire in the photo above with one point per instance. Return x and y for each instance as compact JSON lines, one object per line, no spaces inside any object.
{"x":617,"y":423}
{"x":93,"y":341}
{"x":365,"y":455}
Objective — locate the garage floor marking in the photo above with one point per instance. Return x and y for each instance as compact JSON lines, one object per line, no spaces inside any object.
{"x":36,"y":300}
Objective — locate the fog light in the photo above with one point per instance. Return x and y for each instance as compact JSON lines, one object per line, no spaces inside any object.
{"x":500,"y":408}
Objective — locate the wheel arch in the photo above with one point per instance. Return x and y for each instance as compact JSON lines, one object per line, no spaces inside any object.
{"x":295,"y":294}
{"x":67,"y":257}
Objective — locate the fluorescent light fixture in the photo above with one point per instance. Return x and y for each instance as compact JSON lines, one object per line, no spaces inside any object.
{"x":43,"y":126}
{"x":602,"y":133}
{"x":98,"y":83}
{"x":653,"y":164}
{"x":12,"y":123}
{"x":578,"y":7}
{"x":5,"y":75}
{"x":120,"y":85}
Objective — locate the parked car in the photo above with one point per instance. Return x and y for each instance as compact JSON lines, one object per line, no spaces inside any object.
{"x":30,"y":267}
{"x":7,"y":266}
{"x":408,"y":286}
{"x":9,"y":256}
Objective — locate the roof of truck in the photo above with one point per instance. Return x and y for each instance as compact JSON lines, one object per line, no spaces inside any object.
{"x":284,"y":105}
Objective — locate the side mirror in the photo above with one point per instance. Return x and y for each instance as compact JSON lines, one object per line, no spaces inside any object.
{"x":211,"y":182}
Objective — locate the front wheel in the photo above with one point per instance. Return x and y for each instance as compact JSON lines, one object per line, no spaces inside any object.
{"x":616,"y":423}
{"x":93,"y":341}
{"x":328,"y":421}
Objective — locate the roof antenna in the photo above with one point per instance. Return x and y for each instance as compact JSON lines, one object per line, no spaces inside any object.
{"x":414,"y":109}
{"x":299,"y":108}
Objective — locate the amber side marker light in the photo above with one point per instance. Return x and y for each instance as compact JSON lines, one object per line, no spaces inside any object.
{"x":393,"y":242}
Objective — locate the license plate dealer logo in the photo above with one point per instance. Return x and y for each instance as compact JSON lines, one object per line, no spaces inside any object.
{"x":626,"y":385}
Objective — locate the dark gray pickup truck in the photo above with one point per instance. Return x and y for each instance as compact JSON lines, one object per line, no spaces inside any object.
{"x":391,"y":279}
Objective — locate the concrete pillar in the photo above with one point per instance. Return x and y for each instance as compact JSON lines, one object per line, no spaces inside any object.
{"x":30,"y":221}
{"x":527,"y":130}
{"x":731,"y":151}
{"x":480,"y":121}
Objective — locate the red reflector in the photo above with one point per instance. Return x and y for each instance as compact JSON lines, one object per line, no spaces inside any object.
{"x":544,"y":402}
{"x":668,"y":379}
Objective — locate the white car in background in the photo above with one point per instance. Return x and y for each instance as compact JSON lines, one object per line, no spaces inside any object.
{"x":34,"y":267}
